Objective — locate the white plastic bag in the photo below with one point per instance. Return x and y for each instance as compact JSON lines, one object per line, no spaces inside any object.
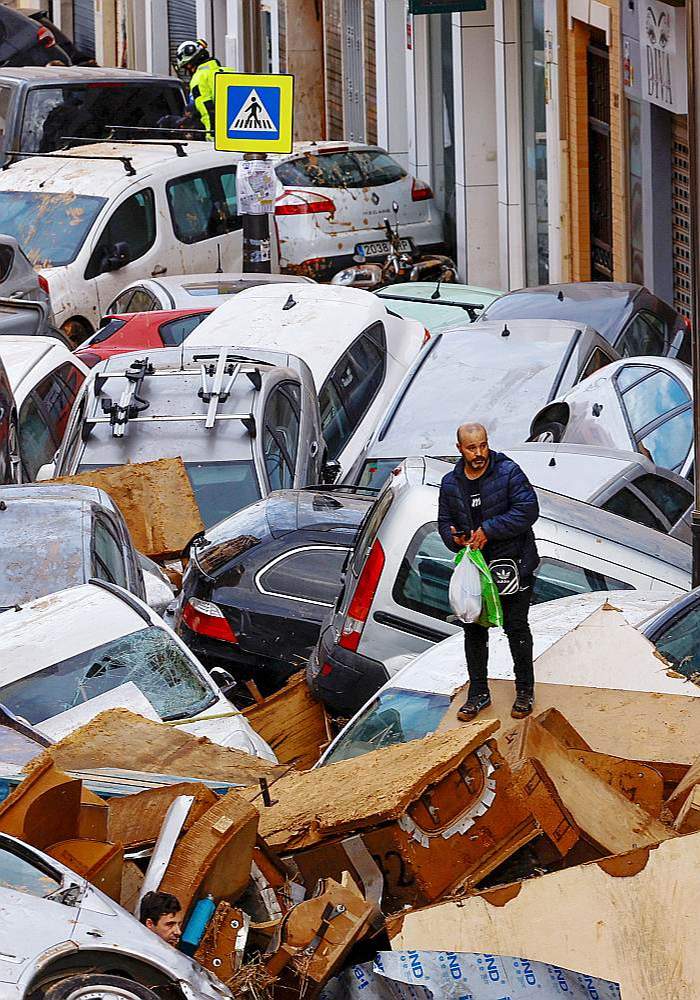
{"x":465,"y":590}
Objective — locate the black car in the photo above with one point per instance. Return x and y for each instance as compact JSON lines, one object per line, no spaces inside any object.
{"x":630,"y":318}
{"x":259,"y":584}
{"x":26,"y":42}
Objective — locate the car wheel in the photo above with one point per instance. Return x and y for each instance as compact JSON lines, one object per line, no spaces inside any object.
{"x":549,"y":433}
{"x":76,"y":330}
{"x":95,"y":986}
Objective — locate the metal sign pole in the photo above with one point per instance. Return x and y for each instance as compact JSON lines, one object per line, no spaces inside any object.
{"x":257,"y":256}
{"x":693,"y":42}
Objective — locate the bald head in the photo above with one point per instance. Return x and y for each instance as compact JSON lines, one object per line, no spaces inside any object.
{"x":473,"y":446}
{"x":468,"y":431}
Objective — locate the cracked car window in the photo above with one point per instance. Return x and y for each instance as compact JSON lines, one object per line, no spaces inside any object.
{"x":149,"y":658}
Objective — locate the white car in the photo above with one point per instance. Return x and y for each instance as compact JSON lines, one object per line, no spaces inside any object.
{"x":65,"y":932}
{"x":332,"y":200}
{"x":357,"y":350}
{"x":18,"y":279}
{"x":94,"y":218}
{"x":97,"y":641}
{"x":45,"y":379}
{"x":190,"y":291}
{"x":643,"y":404}
{"x":411,"y":704}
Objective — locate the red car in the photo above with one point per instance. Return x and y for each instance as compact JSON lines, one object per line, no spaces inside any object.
{"x":138,"y":331}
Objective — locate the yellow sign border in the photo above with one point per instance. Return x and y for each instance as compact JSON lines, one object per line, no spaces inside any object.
{"x":225,"y":79}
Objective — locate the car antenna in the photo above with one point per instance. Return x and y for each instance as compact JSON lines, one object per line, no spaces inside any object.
{"x":289,"y":304}
{"x":219,"y":268}
{"x":560,"y":295}
{"x":436,"y":293}
{"x":505,"y":332}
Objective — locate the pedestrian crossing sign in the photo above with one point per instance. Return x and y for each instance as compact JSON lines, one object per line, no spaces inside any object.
{"x":253,"y":113}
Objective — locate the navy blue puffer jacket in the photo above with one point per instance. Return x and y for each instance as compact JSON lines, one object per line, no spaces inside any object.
{"x":509,"y":508}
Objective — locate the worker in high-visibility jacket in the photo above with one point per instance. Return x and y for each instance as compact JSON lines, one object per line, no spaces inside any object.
{"x":193,"y":61}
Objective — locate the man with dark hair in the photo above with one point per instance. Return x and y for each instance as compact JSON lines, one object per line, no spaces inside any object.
{"x":487,"y":503}
{"x":161,"y":913}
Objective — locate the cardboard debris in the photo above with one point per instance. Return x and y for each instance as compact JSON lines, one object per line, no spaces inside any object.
{"x":156,"y":500}
{"x":135,"y":820}
{"x":688,"y":819}
{"x":221,"y":948}
{"x":120,"y":739}
{"x":292,"y":722}
{"x":215,"y":854}
{"x":630,"y":919}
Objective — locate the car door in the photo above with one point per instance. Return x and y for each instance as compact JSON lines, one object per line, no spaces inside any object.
{"x":132,"y":224}
{"x":658,"y":412}
{"x":280,"y":436}
{"x":206,"y":226}
{"x":43,"y":417}
{"x":296,"y":591}
{"x":108,"y":558}
{"x":118,"y":530}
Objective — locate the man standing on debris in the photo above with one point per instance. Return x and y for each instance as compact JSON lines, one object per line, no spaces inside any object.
{"x":487,"y":503}
{"x":161,"y":913}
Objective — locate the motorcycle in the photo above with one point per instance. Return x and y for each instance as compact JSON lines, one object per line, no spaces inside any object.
{"x":402,"y":263}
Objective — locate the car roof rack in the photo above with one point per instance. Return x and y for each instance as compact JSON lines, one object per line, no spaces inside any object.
{"x":178,"y":144}
{"x":473,"y":308}
{"x":157,"y":128}
{"x":218,"y":372}
{"x":130,"y":402}
{"x":370,"y":491}
{"x":126,"y":161}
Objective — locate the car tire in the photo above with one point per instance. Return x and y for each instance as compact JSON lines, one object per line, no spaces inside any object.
{"x":98,"y":986}
{"x":550,"y":433}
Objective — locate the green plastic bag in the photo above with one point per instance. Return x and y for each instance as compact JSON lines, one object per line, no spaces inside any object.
{"x":491,"y":609}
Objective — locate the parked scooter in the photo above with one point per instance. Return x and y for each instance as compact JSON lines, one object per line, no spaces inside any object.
{"x":401,"y":263}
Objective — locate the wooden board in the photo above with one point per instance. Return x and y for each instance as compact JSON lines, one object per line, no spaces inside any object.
{"x":606,"y":819}
{"x":366,"y":790}
{"x":636,"y":725}
{"x":684,"y":787}
{"x":688,"y":819}
{"x":156,"y":500}
{"x":135,"y":820}
{"x":629,"y":919}
{"x":292,"y":722}
{"x":120,"y":739}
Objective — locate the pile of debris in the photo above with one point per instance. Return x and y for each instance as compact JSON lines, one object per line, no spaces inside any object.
{"x":533,"y":846}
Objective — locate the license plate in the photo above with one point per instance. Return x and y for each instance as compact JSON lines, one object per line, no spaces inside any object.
{"x":379,"y":247}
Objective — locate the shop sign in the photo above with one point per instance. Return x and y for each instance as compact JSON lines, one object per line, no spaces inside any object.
{"x":663,"y":55}
{"x":445,"y":6}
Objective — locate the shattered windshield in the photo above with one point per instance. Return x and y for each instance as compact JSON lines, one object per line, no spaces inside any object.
{"x":50,"y":228}
{"x":394,"y":716}
{"x":149,"y":658}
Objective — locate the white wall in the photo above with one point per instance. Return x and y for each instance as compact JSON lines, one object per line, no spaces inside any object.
{"x":392,"y":57}
{"x":476,"y":167}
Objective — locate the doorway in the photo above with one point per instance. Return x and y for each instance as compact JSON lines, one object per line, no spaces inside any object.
{"x":599,"y":158}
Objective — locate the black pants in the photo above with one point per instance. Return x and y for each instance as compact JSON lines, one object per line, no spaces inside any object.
{"x":517,"y":629}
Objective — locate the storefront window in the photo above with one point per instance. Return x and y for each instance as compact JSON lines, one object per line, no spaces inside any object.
{"x":535,"y":141}
{"x":442,"y":121}
{"x":634,"y":148}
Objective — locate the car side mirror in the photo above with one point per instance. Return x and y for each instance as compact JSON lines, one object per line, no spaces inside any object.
{"x":45,"y":472}
{"x":117,"y":257}
{"x":330,"y":472}
{"x":224,"y":680}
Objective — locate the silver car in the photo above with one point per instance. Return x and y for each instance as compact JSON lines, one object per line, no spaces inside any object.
{"x":622,"y":482}
{"x":645,"y":404}
{"x":498,"y":373}
{"x":57,"y":930}
{"x":244,"y":422}
{"x":18,"y":279}
{"x":394,"y":602}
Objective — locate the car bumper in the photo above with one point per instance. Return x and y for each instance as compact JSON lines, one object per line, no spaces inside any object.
{"x":341,"y":679}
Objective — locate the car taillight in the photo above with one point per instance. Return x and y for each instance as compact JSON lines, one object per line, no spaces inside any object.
{"x":420,"y":191}
{"x":43,"y":283}
{"x":426,"y":336}
{"x":361,"y":602}
{"x":688,"y":324}
{"x":317,"y":205}
{"x":45,"y":37}
{"x":89,"y":358}
{"x":207,"y":618}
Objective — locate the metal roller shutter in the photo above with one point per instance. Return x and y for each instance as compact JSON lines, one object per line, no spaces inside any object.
{"x":680,"y":214}
{"x":182,"y":23}
{"x":84,"y":25}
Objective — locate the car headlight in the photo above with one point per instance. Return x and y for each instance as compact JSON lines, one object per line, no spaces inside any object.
{"x":345,"y":277}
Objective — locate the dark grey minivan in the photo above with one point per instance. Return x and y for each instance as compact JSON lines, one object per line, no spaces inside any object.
{"x":42,"y":106}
